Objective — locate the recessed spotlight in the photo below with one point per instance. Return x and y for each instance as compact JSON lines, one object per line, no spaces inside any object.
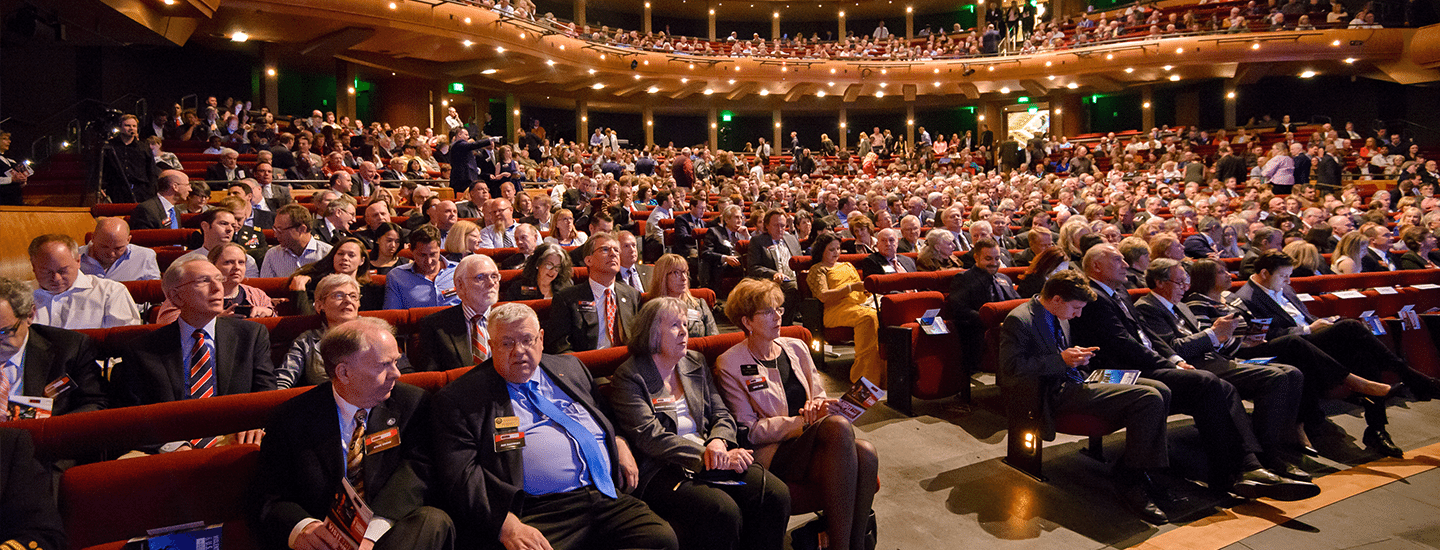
{"x":562,"y":47}
{"x":653,"y":89}
{"x":551,"y":62}
{"x":1174,"y":78}
{"x":784,"y":69}
{"x":522,"y":35}
{"x":737,"y":68}
{"x":239,"y":36}
{"x":709,"y":91}
{"x":637,"y":77}
{"x":271,"y":71}
{"x":1005,"y":90}
{"x":832,"y":71}
{"x":692,"y":65}
{"x":937,"y":83}
{"x":991,"y":68}
{"x":517,"y":112}
{"x":1335,"y":43}
{"x":598,"y":86}
{"x":842,"y":13}
{"x":879,"y":95}
{"x":764,"y":92}
{"x":1168,"y":67}
{"x":1109,"y":56}
{"x":777,"y":124}
{"x":910,"y":122}
{"x":884,"y":84}
{"x":1073,"y":85}
{"x":1307,"y":74}
{"x":732,"y":81}
{"x":820,"y":93}
{"x":1129,"y":70}
{"x":909,"y":9}
{"x":467,"y":43}
{"x":169,"y":2}
{"x":684,"y":81}
{"x":1255,"y":46}
{"x":499,"y":49}
{"x":1047,"y":63}
{"x":393,"y":6}
{"x":467,"y":20}
{"x":1350,"y":60}
{"x":830,"y":83}
{"x":1230,"y":95}
{"x":591,"y":71}
{"x":1179,"y":50}
{"x":884,"y":71}
{"x":937,"y":70}
{"x":1145,"y":105}
{"x":1051,"y":77}
{"x":489,"y":71}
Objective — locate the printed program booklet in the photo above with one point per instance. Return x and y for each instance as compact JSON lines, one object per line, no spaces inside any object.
{"x":349,"y":516}
{"x":859,"y":399}
{"x":1113,"y":376}
{"x":187,"y":536}
{"x":25,"y":407}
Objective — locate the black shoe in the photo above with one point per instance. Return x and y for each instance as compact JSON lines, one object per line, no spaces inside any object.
{"x":1309,"y":451}
{"x":1378,"y":440}
{"x":1427,"y":389}
{"x":1136,"y":497}
{"x":1288,"y":470}
{"x":1396,"y":389}
{"x":1260,"y":483}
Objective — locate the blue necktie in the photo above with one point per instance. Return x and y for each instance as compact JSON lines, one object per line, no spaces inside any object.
{"x":174,"y":219}
{"x":1071,"y":373}
{"x":597,"y":466}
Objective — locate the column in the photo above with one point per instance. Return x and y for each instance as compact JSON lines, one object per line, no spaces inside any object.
{"x":344,"y":89}
{"x":980,"y":16}
{"x":645,"y":23}
{"x":580,"y":13}
{"x":711,"y":21}
{"x":270,"y":76}
{"x":512,"y":118}
{"x":994,"y":117}
{"x":582,"y":121}
{"x":909,"y":122}
{"x":1147,"y":111}
{"x":1065,"y":115}
{"x":909,"y":22}
{"x":843,"y":140}
{"x":1230,"y":101}
{"x":841,"y":36}
{"x":775,"y":141}
{"x":775,"y":25}
{"x":648,"y":114}
{"x":714,"y":119}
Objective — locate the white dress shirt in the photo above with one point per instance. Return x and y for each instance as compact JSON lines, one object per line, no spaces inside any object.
{"x":91,"y":302}
{"x":602,"y":337}
{"x":137,"y":264}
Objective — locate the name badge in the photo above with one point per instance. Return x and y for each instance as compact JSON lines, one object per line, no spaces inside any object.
{"x":380,"y":441}
{"x":664,"y":403}
{"x":59,"y":386}
{"x":585,"y":306}
{"x":750,"y":370}
{"x":529,"y":289}
{"x":507,"y":422}
{"x":509,"y":441}
{"x":757,"y":384}
{"x":888,"y":269}
{"x":447,"y":293}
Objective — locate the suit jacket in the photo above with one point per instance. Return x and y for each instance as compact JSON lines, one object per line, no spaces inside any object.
{"x":570,"y":328}
{"x":765,"y":411}
{"x":1028,"y":350}
{"x":1231,"y":166}
{"x":280,"y":196}
{"x":514,"y":261}
{"x":468,"y":209}
{"x":1192,"y":343}
{"x":484,"y":485}
{"x":685,"y":241}
{"x":1024,"y":257}
{"x":720,"y":242}
{"x":1370,"y":261}
{"x":1111,"y":324}
{"x":1327,"y":173}
{"x":444,"y":341}
{"x":263,"y":219}
{"x":1260,"y":305}
{"x":303,"y":455}
{"x":463,"y":169}
{"x":907,"y":246}
{"x":149,"y":215}
{"x":971,"y":290}
{"x":154,"y":372}
{"x":1197,"y":246}
{"x":1412,"y":260}
{"x":761,"y":263}
{"x":55,"y":353}
{"x":876,"y":263}
{"x":577,"y":203}
{"x":323,"y":232}
{"x":32,"y":519}
{"x":216,"y":172}
{"x":967,"y":260}
{"x":1302,"y":168}
{"x":634,"y":388}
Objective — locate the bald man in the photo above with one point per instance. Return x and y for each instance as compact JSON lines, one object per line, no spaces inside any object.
{"x":159,"y":211}
{"x":111,"y":256}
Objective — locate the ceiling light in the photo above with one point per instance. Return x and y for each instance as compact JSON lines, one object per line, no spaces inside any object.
{"x":784,"y":69}
{"x":777,"y":124}
{"x":842,"y":13}
{"x":937,"y":83}
{"x":820,"y":93}
{"x":653,"y":89}
{"x":591,"y":71}
{"x":692,"y":65}
{"x":830,"y":83}
{"x":712,"y":125}
{"x":350,"y":90}
{"x":1145,"y":105}
{"x":712,"y":12}
{"x":1307,"y":74}
{"x":1057,"y":110}
{"x":732,"y":81}
{"x":909,"y":9}
{"x":489,"y":71}
{"x":467,"y":43}
{"x":910,"y":122}
{"x":169,"y":2}
{"x":1109,"y":56}
{"x":1047,"y":63}
{"x":1073,"y":85}
{"x":1230,"y":95}
{"x":1051,"y":77}
{"x":517,"y":112}
{"x":1255,"y":46}
{"x":239,"y":36}
{"x":684,"y":81}
{"x":270,"y":71}
{"x":776,"y":15}
{"x":832,"y":71}
{"x":884,"y":71}
{"x":522,"y":35}
{"x":980,"y":118}
{"x":1335,"y":43}
{"x":602,"y":57}
{"x":884,"y":84}
{"x":1179,"y":50}
{"x":709,"y":91}
{"x":393,"y":6}
{"x":467,"y":20}
{"x":1005,"y":90}
{"x":1129,"y":70}
{"x":1168,"y":67}
{"x":991,"y":68}
{"x":1350,"y":60}
{"x":598,"y":85}
{"x":562,"y":47}
{"x":764,"y":92}
{"x":551,"y":62}
{"x":647,"y":4}
{"x":1174,"y":78}
{"x":499,"y":49}
{"x":737,"y":68}
{"x":649,"y":123}
{"x":879,"y":95}
{"x":937,"y":70}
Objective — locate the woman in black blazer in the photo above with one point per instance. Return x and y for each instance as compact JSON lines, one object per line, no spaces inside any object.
{"x":667,"y":407}
{"x":1420,"y":242}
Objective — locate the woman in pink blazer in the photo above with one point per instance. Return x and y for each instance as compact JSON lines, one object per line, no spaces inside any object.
{"x":772,"y":388}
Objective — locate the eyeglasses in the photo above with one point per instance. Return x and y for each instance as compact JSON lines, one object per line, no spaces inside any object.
{"x":680,"y":272}
{"x":486,"y":278}
{"x":12,"y":329}
{"x":296,"y":226}
{"x":205,"y":280}
{"x":550,"y":266}
{"x":607,"y":251}
{"x":771,"y":312}
{"x":342,"y":295}
{"x":522,"y":342}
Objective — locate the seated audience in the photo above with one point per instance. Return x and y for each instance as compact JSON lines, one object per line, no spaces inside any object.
{"x":938,"y":254}
{"x":1046,"y":265}
{"x":462,"y":240}
{"x":545,"y":273}
{"x":32,"y":517}
{"x":428,"y":281}
{"x":242,"y":301}
{"x":526,"y":237}
{"x":337,"y":301}
{"x":838,"y":286}
{"x":385,"y":255}
{"x":456,"y":336}
{"x":597,"y":313}
{"x":217,"y":228}
{"x":348,"y":257}
{"x":158,"y":212}
{"x":66,"y":298}
{"x":769,"y":258}
{"x":1419,"y":243}
{"x":335,"y":221}
{"x":671,"y":278}
{"x":297,"y":246}
{"x":41,"y":361}
{"x":110,"y":255}
{"x":886,"y":258}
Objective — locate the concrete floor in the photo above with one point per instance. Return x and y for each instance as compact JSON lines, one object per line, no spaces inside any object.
{"x":943,"y":485}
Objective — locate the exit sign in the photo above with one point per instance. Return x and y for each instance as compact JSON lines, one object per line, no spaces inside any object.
{"x":457,"y":87}
{"x":725,"y":116}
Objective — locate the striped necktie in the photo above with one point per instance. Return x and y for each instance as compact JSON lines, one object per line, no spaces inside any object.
{"x":355,"y":455}
{"x":479,"y":351}
{"x":202,"y":378}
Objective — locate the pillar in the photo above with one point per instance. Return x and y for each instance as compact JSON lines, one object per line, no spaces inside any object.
{"x":1065,"y":115}
{"x":582,"y":121}
{"x":994,"y":114}
{"x":841,"y":36}
{"x":270,"y":76}
{"x":1147,"y":108}
{"x":512,"y":118}
{"x":344,"y":89}
{"x":645,"y":23}
{"x":1230,"y":100}
{"x":648,"y":114}
{"x":909,"y":122}
{"x":844,"y":138}
{"x":714,"y":120}
{"x":580,"y":13}
{"x":775,"y":25}
{"x":775,"y":142}
{"x":909,"y":22}
{"x":710,"y":22}
{"x":980,"y":15}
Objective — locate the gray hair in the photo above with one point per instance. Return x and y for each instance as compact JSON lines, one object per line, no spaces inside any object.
{"x":171,"y":278}
{"x":510,"y":312}
{"x":19,"y":296}
{"x":332,"y":282}
{"x":352,"y":337}
{"x":338,"y":204}
{"x":226,"y":152}
{"x":645,"y":329}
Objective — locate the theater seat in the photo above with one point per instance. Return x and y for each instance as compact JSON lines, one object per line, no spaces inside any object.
{"x":919,"y":364}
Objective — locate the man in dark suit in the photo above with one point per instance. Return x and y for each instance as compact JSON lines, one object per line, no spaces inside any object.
{"x":32,"y":520}
{"x":720,"y":256}
{"x":305,"y":455}
{"x":48,"y":362}
{"x":463,"y":168}
{"x":596,"y":314}
{"x":769,"y":258}
{"x":159,"y":212}
{"x":563,"y":486}
{"x":1303,"y":162}
{"x":910,"y":234}
{"x":248,"y":190}
{"x":1112,"y":325}
{"x":983,"y":230}
{"x":1265,"y":239}
{"x":198,"y":356}
{"x":1327,"y":172}
{"x":455,"y":337}
{"x":1036,"y":348}
{"x":1230,"y":166}
{"x":601,"y":222}
{"x":577,"y":200}
{"x":971,"y":290}
{"x":887,"y":258}
{"x":1267,"y":295}
{"x":1206,"y":242}
{"x":1377,"y":255}
{"x":686,"y":244}
{"x":335,"y":221}
{"x":1274,"y":388}
{"x":1038,"y":239}
{"x":526,"y":239}
{"x":227,"y":169}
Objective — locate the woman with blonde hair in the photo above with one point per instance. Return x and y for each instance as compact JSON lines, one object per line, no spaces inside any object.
{"x":563,"y":230}
{"x":671,"y":278}
{"x":462,"y":240}
{"x":1308,"y":261}
{"x":1346,"y":258}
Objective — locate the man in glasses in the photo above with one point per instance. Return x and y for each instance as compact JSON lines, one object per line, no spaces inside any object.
{"x":527,"y":237}
{"x":217,"y":227}
{"x":593,"y":315}
{"x":297,"y":246}
{"x":42,"y":361}
{"x":456,"y":336}
{"x":200,"y":355}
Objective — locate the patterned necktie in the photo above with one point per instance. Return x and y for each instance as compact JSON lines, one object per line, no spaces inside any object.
{"x":505,"y":236}
{"x":610,"y":323}
{"x":8,"y":376}
{"x":895,"y":263}
{"x":355,"y":455}
{"x":171,"y":219}
{"x":1181,"y":322}
{"x":202,"y":378}
{"x":596,"y":466}
{"x":479,"y":351}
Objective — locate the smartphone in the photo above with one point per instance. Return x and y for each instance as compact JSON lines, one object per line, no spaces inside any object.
{"x":243,"y":310}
